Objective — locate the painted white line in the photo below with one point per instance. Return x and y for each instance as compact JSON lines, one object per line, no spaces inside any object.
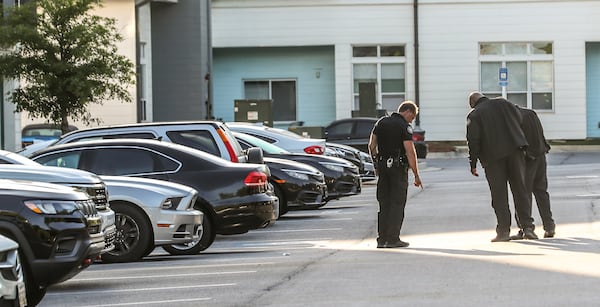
{"x":161,"y":276}
{"x":303,"y":230}
{"x":174,"y":267}
{"x":588,"y":195}
{"x":153,"y":302}
{"x":323,"y":220}
{"x":582,"y":177}
{"x":311,"y":242}
{"x":140,"y":289}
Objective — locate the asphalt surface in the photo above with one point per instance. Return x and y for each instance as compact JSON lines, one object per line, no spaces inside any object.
{"x":327,"y":257}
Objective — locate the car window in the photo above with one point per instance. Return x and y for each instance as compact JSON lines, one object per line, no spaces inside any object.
{"x":364,"y":128}
{"x":128,"y":161}
{"x":248,"y":141}
{"x":197,"y":139}
{"x":62,"y":159}
{"x":340,"y":129}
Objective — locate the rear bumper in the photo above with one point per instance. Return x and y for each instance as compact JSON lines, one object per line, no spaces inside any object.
{"x":243,"y":214}
{"x":177,"y":227}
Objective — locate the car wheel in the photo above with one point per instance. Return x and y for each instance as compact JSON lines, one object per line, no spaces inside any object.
{"x":283,"y":207}
{"x":206,"y":235}
{"x":134,"y":235}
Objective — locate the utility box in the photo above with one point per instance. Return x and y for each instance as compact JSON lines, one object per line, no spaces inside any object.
{"x":313,"y":132}
{"x":254,"y":111}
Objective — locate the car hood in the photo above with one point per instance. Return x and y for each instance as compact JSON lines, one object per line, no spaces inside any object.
{"x":51,"y":174}
{"x":7,"y":244}
{"x":289,"y":164}
{"x":39,"y":190}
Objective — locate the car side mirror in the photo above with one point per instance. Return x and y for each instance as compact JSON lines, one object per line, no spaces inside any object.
{"x":255,"y":155}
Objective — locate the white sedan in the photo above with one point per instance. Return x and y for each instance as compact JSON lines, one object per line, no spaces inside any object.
{"x":12,"y":285}
{"x":287,"y":140}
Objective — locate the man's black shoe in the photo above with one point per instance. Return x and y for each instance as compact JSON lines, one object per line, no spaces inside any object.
{"x":518,"y":236}
{"x":380,"y":244}
{"x":501,"y":238}
{"x":529,"y":234}
{"x":398,"y":243}
{"x":549,"y":234}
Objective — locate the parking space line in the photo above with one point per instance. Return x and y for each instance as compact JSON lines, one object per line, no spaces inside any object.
{"x":162,"y":276}
{"x":301,"y":230}
{"x":141,"y":289}
{"x":153,"y":302}
{"x":174,"y":267}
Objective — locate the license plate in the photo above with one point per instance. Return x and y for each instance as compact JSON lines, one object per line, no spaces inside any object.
{"x":22,"y":294}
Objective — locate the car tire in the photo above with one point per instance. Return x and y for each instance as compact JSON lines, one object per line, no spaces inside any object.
{"x":283,"y":207}
{"x":207,"y":237}
{"x":134,"y":235}
{"x":34,"y":292}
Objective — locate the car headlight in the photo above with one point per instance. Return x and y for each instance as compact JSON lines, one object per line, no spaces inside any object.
{"x":296,"y":174}
{"x":171,"y":203}
{"x":51,"y":206}
{"x":333,"y":166}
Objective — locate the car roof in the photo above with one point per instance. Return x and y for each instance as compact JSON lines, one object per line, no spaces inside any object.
{"x":148,"y":124}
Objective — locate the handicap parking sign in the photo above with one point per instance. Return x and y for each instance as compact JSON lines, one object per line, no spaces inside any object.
{"x":503,"y":76}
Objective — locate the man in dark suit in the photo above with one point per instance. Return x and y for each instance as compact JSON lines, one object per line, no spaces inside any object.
{"x":495,"y":138}
{"x":536,"y":180}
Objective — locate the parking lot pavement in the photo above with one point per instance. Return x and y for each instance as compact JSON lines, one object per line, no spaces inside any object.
{"x":327,"y":257}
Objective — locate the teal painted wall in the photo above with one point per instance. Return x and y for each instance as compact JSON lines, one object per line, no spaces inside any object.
{"x":592,"y":51}
{"x":315,"y":95}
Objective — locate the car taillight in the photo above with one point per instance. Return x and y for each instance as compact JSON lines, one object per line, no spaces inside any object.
{"x":228,"y":145}
{"x":417,"y":137}
{"x":255,"y":179}
{"x":314,"y":150}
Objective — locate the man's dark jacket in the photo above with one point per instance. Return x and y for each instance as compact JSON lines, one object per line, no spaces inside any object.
{"x":534,"y":132}
{"x":493,"y":130}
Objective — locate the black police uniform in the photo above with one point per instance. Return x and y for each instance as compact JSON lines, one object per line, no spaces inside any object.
{"x":392,"y":169}
{"x":536,"y":179}
{"x":495,"y":137}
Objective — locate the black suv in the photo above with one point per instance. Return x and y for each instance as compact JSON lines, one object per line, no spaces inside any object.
{"x":58,"y":231}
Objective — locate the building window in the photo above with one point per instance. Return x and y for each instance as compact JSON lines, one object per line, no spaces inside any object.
{"x":383,"y":65}
{"x":530,"y":69}
{"x":282,"y":92}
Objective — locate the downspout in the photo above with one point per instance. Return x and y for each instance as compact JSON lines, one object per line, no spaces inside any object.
{"x":416,"y":43}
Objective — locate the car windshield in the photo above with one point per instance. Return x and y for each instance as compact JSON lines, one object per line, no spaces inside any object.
{"x":285,"y":133}
{"x":265,"y":146}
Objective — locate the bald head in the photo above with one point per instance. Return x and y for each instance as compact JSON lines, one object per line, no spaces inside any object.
{"x":474,"y":97}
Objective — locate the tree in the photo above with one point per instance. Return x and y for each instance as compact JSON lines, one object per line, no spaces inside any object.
{"x":64,"y":59}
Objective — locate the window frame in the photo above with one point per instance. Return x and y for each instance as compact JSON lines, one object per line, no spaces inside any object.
{"x":270,"y":83}
{"x":529,"y":57}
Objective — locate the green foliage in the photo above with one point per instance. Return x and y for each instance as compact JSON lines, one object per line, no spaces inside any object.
{"x":65,"y":59}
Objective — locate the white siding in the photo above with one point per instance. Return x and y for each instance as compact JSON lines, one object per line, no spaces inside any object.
{"x":449,"y":35}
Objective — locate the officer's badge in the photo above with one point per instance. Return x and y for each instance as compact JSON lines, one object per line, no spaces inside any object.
{"x":409,"y":129}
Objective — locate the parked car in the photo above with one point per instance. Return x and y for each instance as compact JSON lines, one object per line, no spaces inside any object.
{"x":209,"y":136}
{"x":151,"y":213}
{"x":41,"y":132}
{"x":57,"y":229}
{"x":234,"y":197}
{"x":81,"y":181}
{"x":147,"y":212}
{"x":356,"y":131}
{"x":297,"y":185}
{"x":287,"y":140}
{"x":341,"y":177}
{"x":12,"y":283}
{"x":361,"y":159}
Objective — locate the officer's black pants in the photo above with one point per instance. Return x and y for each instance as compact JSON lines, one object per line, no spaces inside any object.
{"x":392,"y":186}
{"x":536,"y":182}
{"x":509,"y":169}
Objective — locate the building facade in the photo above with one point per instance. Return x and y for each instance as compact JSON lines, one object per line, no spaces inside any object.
{"x":310,"y":57}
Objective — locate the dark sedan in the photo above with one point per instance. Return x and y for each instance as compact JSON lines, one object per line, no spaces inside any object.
{"x":298,"y":185}
{"x":234,"y":197}
{"x":342,"y":177}
{"x":356,"y":131}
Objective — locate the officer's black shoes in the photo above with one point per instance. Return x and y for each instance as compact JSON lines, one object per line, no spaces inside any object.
{"x":549,"y":234}
{"x":518,"y":236}
{"x":501,"y":238}
{"x":398,"y":243}
{"x":380,"y":245}
{"x":529,"y":234}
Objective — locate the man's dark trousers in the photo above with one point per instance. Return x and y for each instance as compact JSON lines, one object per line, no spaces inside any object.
{"x":536,"y":181}
{"x":392,"y":186}
{"x":512,"y":169}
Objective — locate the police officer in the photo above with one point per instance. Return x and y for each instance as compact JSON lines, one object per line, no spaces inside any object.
{"x":393,"y":154}
{"x":496,"y":139}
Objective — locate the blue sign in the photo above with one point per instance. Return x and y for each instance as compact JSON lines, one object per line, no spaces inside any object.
{"x":503,"y":76}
